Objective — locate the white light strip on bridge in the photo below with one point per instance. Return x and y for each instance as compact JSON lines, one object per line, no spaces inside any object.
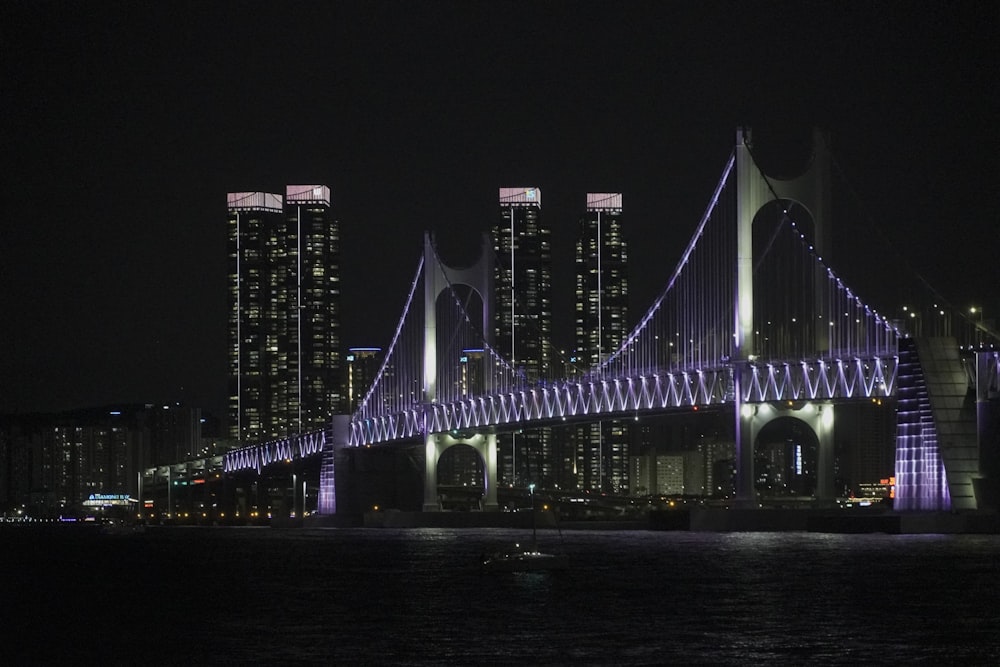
{"x":822,"y":379}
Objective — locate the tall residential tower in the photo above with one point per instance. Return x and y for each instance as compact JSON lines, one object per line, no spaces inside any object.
{"x":284,"y":312}
{"x":523,"y":317}
{"x":601,"y":325}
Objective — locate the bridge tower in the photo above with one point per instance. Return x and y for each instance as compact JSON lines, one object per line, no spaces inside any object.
{"x":811,"y":190}
{"x":437,"y":279}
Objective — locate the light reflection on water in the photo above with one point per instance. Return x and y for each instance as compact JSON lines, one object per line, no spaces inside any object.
{"x":419,"y":597}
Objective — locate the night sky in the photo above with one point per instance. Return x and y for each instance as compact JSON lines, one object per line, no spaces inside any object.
{"x":125,"y":124}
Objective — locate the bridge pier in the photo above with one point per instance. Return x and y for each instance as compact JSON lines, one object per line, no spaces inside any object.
{"x":340,"y":437}
{"x":945,"y":459}
{"x":754,"y":191}
{"x":986,"y":485}
{"x":484,"y":443}
{"x":753,"y":417}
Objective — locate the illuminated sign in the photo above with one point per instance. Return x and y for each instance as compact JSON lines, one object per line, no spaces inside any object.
{"x":105,"y":499}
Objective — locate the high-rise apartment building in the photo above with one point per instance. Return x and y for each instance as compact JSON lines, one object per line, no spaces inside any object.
{"x":284,"y":312}
{"x":600,"y":456}
{"x":523,"y":319}
{"x":363,"y":364}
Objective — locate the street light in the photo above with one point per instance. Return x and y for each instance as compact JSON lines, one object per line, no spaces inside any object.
{"x":979,"y":326}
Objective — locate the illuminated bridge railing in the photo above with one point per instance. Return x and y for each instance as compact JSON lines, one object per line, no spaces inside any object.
{"x":256,"y":457}
{"x":825,"y":379}
{"x":822,"y":379}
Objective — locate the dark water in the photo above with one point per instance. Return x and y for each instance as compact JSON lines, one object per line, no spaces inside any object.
{"x":417,"y":597}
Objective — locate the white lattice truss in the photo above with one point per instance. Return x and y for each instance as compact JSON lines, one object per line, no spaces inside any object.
{"x":823,"y":379}
{"x":256,"y":457}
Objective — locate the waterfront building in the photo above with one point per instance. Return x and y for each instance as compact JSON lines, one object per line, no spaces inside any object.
{"x":284,"y":312}
{"x":702,"y":440}
{"x":52,"y":464}
{"x":601,"y":449}
{"x":523,"y":320}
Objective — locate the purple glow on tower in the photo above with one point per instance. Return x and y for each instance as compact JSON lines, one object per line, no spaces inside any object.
{"x":327,"y":503}
{"x":921,"y":481}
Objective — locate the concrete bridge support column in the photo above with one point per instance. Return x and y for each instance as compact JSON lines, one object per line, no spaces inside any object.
{"x":484,"y":443}
{"x":823,"y":427}
{"x":746,"y":495}
{"x":432,"y":452}
{"x":817,"y":416}
{"x":490,"y":502}
{"x":987,"y":484}
{"x":340,"y":437}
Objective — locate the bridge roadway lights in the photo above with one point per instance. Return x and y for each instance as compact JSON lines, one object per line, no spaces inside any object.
{"x":818,"y":416}
{"x":484,"y":443}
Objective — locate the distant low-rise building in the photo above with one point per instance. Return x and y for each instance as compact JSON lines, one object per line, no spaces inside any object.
{"x":52,"y":464}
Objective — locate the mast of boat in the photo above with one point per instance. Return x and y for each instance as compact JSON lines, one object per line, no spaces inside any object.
{"x":534,"y":533}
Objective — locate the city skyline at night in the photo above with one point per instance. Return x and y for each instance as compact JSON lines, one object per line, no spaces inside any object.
{"x":124,"y":125}
{"x":221,"y":219}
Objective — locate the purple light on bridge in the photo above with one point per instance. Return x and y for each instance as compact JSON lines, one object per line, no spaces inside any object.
{"x":921,"y":481}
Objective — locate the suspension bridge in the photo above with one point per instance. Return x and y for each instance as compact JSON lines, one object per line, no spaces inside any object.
{"x":751,"y":320}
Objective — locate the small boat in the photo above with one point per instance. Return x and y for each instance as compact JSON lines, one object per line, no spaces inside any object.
{"x":521,"y":559}
{"x":524,"y":560}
